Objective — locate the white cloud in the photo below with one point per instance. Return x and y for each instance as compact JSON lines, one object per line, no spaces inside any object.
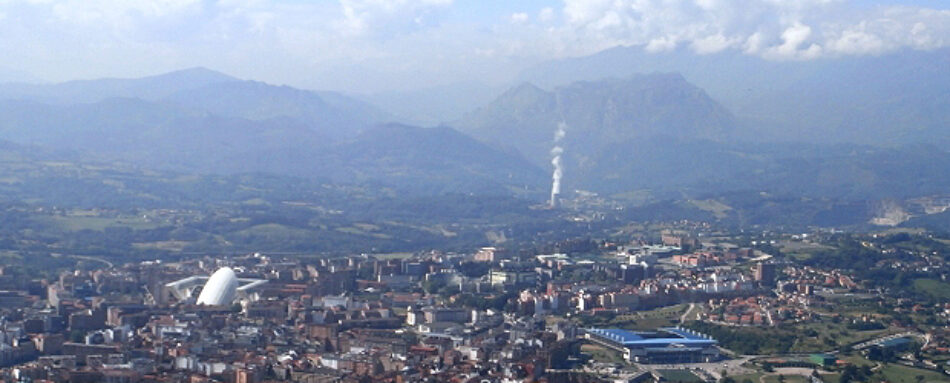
{"x":795,"y":44}
{"x":119,"y":13}
{"x":337,"y":43}
{"x":263,"y":39}
{"x":857,"y":40}
{"x":714,"y":43}
{"x":661,"y":44}
{"x":893,"y":28}
{"x":546,"y":14}
{"x":775,"y":29}
{"x":519,"y":17}
{"x":754,"y":43}
{"x":386,"y":16}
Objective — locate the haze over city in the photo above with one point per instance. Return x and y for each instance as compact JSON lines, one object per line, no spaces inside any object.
{"x":402,"y":191}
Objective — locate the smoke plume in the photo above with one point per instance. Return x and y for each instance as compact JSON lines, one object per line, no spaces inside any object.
{"x":556,"y":161}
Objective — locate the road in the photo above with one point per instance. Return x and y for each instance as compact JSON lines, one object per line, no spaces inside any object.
{"x":688,"y":311}
{"x":87,"y":258}
{"x":732,"y":367}
{"x":787,"y":371}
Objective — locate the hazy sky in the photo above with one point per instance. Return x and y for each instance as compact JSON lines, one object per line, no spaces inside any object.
{"x":370,"y":45}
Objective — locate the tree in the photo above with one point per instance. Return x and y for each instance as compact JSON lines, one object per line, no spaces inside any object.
{"x":77,"y":336}
{"x":474,"y":269}
{"x":849,"y":374}
{"x":433,"y":286}
{"x":874,"y":353}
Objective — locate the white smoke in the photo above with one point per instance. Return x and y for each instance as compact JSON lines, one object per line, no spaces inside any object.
{"x":558,"y":170}
{"x":556,"y":161}
{"x":559,"y":134}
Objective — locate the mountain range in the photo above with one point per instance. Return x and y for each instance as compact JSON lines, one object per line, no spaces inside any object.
{"x":896,"y":98}
{"x":204,"y":122}
{"x":598,"y":114}
{"x":639,"y":132}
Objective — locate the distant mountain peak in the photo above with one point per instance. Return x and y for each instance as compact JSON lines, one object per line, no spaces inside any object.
{"x":198,"y":74}
{"x":639,"y":80}
{"x":525,"y":95}
{"x":526,"y":87}
{"x":198,"y":69}
{"x":599,"y":113}
{"x":149,"y":88}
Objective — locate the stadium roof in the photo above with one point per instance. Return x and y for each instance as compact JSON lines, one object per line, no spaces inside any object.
{"x":653,"y":339}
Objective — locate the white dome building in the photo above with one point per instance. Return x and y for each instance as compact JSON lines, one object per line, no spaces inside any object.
{"x":220,"y":289}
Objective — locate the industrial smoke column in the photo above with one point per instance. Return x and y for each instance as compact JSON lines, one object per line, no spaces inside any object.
{"x":556,"y":161}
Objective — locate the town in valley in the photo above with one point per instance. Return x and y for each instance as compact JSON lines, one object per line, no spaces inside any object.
{"x":680,"y":301}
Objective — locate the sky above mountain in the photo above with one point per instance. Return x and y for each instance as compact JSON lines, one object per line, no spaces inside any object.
{"x":379,"y":45}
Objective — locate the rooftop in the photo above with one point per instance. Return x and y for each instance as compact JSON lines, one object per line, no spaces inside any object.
{"x":663,"y":336}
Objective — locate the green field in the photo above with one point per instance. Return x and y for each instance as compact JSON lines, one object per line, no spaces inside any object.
{"x":162,"y":245}
{"x":718,"y":209}
{"x":9,"y":257}
{"x":602,"y":354}
{"x":802,"y":251}
{"x":754,"y":377}
{"x":831,"y":336}
{"x":785,"y":379}
{"x":275,"y":231}
{"x":857,"y":360}
{"x":896,"y":373}
{"x":642,"y":320}
{"x":852,"y":305}
{"x":679,"y":376}
{"x":363,"y":231}
{"x":804,"y":338}
{"x":934,"y":288}
{"x":635,"y":197}
{"x":78,"y":223}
